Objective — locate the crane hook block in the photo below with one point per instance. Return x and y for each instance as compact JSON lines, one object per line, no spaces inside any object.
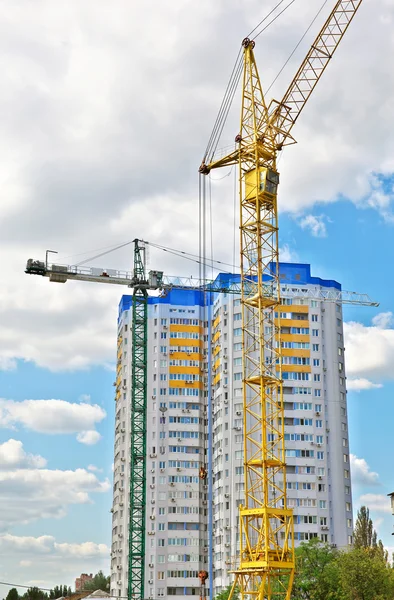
{"x":203,"y":473}
{"x":203,"y":576}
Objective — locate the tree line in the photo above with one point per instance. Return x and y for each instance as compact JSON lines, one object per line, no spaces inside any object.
{"x":362,"y":572}
{"x":99,"y":582}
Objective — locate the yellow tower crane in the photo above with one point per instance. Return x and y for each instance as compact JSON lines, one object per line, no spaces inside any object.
{"x":265,"y":569}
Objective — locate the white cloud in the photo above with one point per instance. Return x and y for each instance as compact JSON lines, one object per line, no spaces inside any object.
{"x":376,"y":502}
{"x":89,"y":438}
{"x":383,"y":320}
{"x":44,"y":559}
{"x":358,"y":385}
{"x":361,"y":472}
{"x":46,"y":544}
{"x":31,"y":494}
{"x":315,"y":224}
{"x":26,"y":544}
{"x":287,"y":254}
{"x":12,"y":455}
{"x":28,"y":491}
{"x":7,"y":363}
{"x":370,"y":349}
{"x":94,"y":469}
{"x":85,"y":398}
{"x":53,"y":417}
{"x":80,"y":119}
{"x":83,"y":550}
{"x":25,"y":563}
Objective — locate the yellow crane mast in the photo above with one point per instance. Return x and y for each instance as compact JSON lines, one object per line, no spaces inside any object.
{"x":265,"y":568}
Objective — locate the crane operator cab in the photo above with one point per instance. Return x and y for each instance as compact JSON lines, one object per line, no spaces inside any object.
{"x":264,"y":180}
{"x":35,"y":267}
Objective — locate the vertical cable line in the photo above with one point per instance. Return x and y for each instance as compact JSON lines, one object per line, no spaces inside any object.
{"x":205,"y":316}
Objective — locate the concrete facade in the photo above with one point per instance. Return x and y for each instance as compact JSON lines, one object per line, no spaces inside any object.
{"x":182,"y":337}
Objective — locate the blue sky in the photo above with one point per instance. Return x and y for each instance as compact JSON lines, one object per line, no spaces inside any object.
{"x":101,"y":144}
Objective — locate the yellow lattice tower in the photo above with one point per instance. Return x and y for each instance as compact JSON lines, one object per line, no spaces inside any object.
{"x":266,"y":565}
{"x":265,"y":569}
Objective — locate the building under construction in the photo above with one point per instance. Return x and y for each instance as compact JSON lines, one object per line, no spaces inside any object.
{"x":244,"y":375}
{"x":182,"y":536}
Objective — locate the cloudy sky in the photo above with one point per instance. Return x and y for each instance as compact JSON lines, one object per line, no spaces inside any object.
{"x":105,"y":111}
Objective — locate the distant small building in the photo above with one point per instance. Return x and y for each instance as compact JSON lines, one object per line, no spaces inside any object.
{"x":392,"y":501}
{"x":81,"y":581}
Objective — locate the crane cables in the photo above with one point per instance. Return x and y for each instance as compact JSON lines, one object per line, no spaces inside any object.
{"x":233,"y":84}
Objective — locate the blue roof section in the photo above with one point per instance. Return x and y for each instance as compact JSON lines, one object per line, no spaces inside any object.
{"x":179,"y":298}
{"x":290,"y":273}
{"x":300,"y":273}
{"x":124,"y":304}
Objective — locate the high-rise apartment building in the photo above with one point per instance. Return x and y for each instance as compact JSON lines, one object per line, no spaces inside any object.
{"x":182,"y":337}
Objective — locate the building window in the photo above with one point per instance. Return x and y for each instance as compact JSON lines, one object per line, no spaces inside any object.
{"x":315,"y":332}
{"x":315,"y":347}
{"x":315,"y":318}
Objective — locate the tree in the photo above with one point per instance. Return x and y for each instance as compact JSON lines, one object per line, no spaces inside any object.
{"x":224,"y":594}
{"x":364,"y":534}
{"x":13,"y":594}
{"x":34,"y":593}
{"x":99,"y":582}
{"x":364,"y":576}
{"x":317,"y":573}
{"x":59,"y":591}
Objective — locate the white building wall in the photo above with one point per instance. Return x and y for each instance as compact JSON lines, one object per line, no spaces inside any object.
{"x":321,"y":498}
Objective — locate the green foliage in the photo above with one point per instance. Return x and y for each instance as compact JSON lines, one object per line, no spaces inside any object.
{"x":365,"y":576}
{"x":99,"y":582}
{"x":364,"y":534}
{"x":224,"y":594}
{"x":323,"y":573}
{"x":12,"y":594}
{"x":59,"y":591}
{"x":317,"y":572}
{"x":34,"y":593}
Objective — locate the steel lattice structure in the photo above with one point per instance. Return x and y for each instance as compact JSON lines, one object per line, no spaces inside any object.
{"x":136,"y":573}
{"x":266,"y":554}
